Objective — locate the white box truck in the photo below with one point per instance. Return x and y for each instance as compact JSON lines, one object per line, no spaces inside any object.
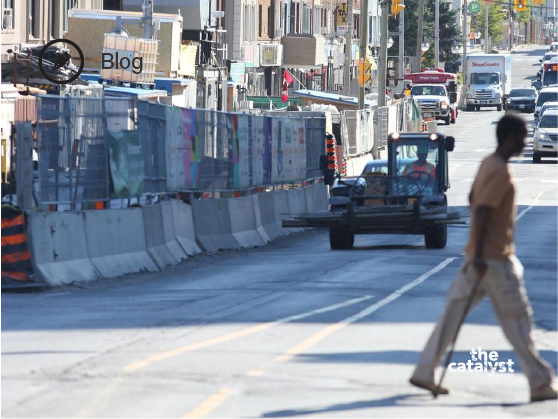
{"x":488,"y":80}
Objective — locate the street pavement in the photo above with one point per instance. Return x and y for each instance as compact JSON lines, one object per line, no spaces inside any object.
{"x":292,"y":329}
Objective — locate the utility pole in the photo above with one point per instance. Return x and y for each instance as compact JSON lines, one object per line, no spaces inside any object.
{"x":462,"y":98}
{"x":382,"y":62}
{"x":402,"y":44}
{"x":348,"y":51}
{"x":510,"y":41}
{"x":147,"y":19}
{"x":437,"y":35}
{"x":486,"y":28}
{"x":419,"y":36}
{"x":363,"y":45}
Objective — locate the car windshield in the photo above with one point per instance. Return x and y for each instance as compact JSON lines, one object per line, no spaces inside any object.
{"x":548,"y":57}
{"x":523,"y":93}
{"x":428,"y":90}
{"x":549,"y":121}
{"x":485,"y":78}
{"x":375,"y":168}
{"x":417,"y":163}
{"x":547,"y":97}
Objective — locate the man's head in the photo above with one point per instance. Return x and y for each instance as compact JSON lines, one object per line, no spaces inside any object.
{"x":511,"y":132}
{"x":422,"y":153}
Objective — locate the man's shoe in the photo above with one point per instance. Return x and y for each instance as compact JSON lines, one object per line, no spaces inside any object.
{"x":431,"y":387}
{"x":547,"y":392}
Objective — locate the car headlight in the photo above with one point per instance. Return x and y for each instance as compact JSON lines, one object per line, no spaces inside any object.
{"x":508,"y":101}
{"x":497,"y":95}
{"x":443,"y":105}
{"x":542,"y":136}
{"x":469,"y":95}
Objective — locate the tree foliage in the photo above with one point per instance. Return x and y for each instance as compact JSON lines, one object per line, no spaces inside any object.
{"x":497,"y":22}
{"x":450,"y":32}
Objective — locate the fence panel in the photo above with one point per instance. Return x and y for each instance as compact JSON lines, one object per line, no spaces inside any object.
{"x":73,"y":152}
{"x":152,"y":126}
{"x":315,"y":145}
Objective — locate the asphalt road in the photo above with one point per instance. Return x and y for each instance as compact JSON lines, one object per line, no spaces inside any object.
{"x":292,"y":329}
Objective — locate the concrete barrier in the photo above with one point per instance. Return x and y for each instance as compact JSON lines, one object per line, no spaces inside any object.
{"x":159,"y":236}
{"x":58,"y":247}
{"x":266,"y":215}
{"x":212,"y":223}
{"x":243,"y":223}
{"x":183,"y":225}
{"x":320,"y":197}
{"x":297,"y":201}
{"x":116,"y":242}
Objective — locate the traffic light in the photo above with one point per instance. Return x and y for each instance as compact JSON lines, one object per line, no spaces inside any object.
{"x":396,"y":6}
{"x":363,"y":68}
{"x":520,"y":5}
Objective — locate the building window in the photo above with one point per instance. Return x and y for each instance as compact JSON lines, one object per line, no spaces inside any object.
{"x":246,"y":22}
{"x":260,"y":21}
{"x":305,"y":19}
{"x":7,"y":14}
{"x":317,"y":23}
{"x":68,"y":5}
{"x":33,"y":12}
{"x":270,"y":23}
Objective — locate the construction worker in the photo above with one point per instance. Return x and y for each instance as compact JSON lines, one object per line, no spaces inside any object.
{"x":491,"y":268}
{"x":420,"y":165}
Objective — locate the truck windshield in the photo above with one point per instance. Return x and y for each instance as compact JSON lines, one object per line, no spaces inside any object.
{"x":485,"y":78}
{"x":428,"y":90}
{"x":417,"y":163}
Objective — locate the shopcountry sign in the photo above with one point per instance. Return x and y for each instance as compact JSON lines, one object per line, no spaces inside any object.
{"x":485,"y":64}
{"x":474,"y":7}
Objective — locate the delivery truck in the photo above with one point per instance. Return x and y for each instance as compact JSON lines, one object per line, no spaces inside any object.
{"x":488,"y":80}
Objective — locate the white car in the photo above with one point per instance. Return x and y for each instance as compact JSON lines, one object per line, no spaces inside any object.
{"x":545,"y":137}
{"x":548,"y":94}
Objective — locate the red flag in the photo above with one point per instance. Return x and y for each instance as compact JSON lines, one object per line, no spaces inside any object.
{"x":288,"y":78}
{"x":284,"y":92}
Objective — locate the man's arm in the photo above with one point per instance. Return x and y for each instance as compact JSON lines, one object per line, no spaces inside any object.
{"x":482,"y":214}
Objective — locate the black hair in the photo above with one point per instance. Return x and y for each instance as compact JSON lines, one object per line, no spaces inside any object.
{"x":511,"y":123}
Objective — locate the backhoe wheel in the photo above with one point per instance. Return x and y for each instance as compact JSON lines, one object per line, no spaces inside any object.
{"x":436,"y":236}
{"x":341,"y":238}
{"x":499,"y":108}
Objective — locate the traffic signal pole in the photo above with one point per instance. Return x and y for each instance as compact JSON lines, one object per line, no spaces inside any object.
{"x":462,"y":98}
{"x":363,"y":46}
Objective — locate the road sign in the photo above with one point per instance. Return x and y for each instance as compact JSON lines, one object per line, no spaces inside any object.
{"x":342,"y":16}
{"x":474,"y":7}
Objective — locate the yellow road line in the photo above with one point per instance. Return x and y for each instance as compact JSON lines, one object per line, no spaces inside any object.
{"x":209,"y":404}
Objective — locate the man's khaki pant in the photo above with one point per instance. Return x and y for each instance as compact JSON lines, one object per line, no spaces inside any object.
{"x":503,"y":282}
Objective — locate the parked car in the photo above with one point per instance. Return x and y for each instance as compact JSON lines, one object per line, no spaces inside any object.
{"x":548,"y":94}
{"x":522,"y":99}
{"x":545,"y":138}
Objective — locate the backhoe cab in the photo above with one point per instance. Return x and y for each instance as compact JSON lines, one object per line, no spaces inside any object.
{"x":409,"y":199}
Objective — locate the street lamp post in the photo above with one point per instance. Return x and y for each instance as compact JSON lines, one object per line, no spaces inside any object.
{"x":437,"y":36}
{"x":382,"y":61}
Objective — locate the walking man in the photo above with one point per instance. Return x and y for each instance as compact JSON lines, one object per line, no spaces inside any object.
{"x":490,"y":258}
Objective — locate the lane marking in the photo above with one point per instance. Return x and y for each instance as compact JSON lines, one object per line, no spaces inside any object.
{"x":104,"y":396}
{"x":209,"y":404}
{"x":549,"y":181}
{"x":530,"y":207}
{"x":324,"y":333}
{"x":134,"y":366}
{"x":56,"y":294}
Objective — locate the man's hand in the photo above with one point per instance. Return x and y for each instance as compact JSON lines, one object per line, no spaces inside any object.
{"x":480,"y":265}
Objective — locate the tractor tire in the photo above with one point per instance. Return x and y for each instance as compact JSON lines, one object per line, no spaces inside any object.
{"x":470,"y":108}
{"x":436,"y":236}
{"x":447,"y":120}
{"x":341,"y":239}
{"x":499,"y":108}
